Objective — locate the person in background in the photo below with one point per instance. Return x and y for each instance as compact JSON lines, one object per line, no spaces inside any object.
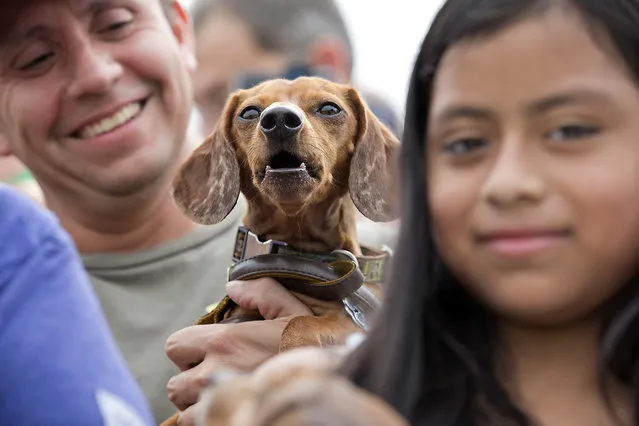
{"x":59,"y":362}
{"x":240,"y":43}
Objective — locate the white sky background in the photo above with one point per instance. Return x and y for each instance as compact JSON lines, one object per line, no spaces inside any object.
{"x":386,"y":37}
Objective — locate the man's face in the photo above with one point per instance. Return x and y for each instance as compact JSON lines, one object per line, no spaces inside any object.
{"x":94,"y":94}
{"x":226,"y":49}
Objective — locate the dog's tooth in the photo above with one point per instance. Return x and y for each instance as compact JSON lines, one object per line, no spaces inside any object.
{"x":268,"y":168}
{"x":303,"y":166}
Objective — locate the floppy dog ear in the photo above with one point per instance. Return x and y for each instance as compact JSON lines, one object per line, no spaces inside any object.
{"x":373,"y":179}
{"x":207,"y":185}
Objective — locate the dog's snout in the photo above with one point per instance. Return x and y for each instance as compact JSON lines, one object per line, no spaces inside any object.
{"x":280,"y":122}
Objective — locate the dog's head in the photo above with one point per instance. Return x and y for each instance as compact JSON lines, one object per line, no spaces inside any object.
{"x":296,"y":144}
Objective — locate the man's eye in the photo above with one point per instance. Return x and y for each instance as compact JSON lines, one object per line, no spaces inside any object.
{"x":572,"y":132}
{"x":113,"y":20}
{"x":464,"y":146}
{"x":116,"y":26}
{"x":37,"y":61}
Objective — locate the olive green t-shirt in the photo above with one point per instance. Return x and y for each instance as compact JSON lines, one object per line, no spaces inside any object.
{"x":149,"y":295}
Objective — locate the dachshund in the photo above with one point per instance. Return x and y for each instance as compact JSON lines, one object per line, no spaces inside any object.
{"x":307,"y":155}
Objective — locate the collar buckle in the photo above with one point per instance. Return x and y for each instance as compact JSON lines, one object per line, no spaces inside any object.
{"x":248,"y":244}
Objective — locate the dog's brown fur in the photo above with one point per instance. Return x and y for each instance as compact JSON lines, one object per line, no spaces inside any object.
{"x":351,"y":153}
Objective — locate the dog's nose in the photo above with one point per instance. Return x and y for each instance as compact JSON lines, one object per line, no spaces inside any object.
{"x":280,"y":122}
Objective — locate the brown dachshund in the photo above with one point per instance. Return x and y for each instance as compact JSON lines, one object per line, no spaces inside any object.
{"x":305,"y":154}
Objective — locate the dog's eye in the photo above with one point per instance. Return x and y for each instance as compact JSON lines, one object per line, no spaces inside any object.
{"x":329,"y":108}
{"x":250,"y":113}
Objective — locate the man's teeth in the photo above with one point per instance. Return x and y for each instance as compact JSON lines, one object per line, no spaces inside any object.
{"x":108,"y":124}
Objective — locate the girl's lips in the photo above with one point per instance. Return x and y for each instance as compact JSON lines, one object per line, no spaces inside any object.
{"x":521,"y":243}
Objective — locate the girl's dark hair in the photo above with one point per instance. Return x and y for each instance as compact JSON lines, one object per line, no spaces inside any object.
{"x":432,"y":350}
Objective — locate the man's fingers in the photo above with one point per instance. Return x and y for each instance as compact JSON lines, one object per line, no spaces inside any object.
{"x":184,"y":389}
{"x":184,"y":347}
{"x":268,"y":297}
{"x":188,"y":416}
{"x":236,"y":347}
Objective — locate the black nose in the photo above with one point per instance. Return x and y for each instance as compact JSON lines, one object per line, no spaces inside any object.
{"x":280,"y":122}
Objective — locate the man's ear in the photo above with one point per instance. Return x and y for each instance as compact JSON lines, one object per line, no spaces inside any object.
{"x":183,"y":29}
{"x":207,"y":185}
{"x":373,"y":181}
{"x":331,"y":54}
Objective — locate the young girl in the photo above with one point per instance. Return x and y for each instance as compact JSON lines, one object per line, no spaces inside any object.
{"x":514,"y":298}
{"x":515,"y":293}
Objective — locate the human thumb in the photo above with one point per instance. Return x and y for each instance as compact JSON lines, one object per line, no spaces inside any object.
{"x":266,"y":296}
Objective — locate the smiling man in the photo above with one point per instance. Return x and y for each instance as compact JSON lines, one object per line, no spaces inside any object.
{"x":95,"y":98}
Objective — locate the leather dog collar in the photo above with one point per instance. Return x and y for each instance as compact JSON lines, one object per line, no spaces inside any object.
{"x":372,"y":263}
{"x":337,"y":276}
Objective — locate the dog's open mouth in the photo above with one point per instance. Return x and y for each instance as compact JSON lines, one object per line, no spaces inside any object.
{"x":285,"y":163}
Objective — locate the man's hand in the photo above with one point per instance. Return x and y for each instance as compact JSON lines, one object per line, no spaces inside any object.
{"x":200,"y":350}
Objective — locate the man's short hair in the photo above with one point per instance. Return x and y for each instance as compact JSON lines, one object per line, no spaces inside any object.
{"x":284,"y":26}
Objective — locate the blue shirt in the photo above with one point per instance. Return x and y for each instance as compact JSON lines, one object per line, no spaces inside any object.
{"x":59,"y":364}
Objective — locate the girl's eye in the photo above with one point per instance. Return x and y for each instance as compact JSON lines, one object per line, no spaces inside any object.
{"x":465,"y":146}
{"x":572,"y":132}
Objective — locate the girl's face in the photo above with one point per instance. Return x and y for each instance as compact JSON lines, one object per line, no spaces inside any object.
{"x":533,"y":159}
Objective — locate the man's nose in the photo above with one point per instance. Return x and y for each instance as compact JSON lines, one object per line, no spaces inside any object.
{"x":280,"y":122}
{"x":95,"y":72}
